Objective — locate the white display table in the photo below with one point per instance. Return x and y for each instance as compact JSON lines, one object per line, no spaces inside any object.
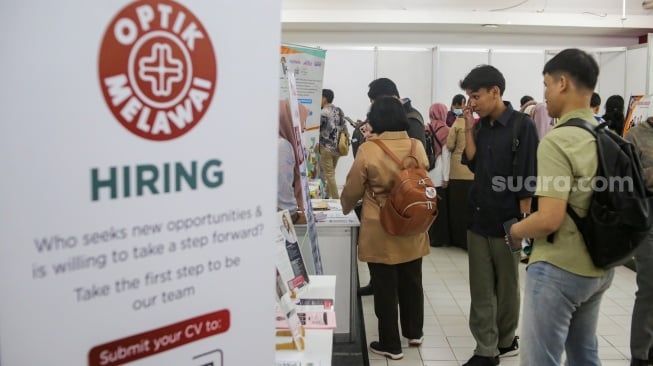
{"x":318,"y":342}
{"x":337,"y":236}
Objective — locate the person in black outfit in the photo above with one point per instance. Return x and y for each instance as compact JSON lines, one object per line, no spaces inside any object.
{"x":614,"y":114}
{"x":386,"y":87}
{"x":501,"y":147}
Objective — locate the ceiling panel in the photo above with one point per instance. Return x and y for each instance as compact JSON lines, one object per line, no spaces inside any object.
{"x":581,"y":17}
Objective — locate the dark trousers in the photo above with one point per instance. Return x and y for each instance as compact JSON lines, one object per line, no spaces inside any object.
{"x":439,"y":230}
{"x":398,"y":284}
{"x":457,"y":202}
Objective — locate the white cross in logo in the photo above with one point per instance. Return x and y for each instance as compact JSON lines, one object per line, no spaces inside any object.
{"x":161,"y":70}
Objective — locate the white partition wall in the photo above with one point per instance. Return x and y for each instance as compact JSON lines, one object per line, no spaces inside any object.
{"x":522,"y":70}
{"x":611,"y":76}
{"x":412,"y":71}
{"x":348,"y":72}
{"x":452,"y":65}
{"x":636,"y":70}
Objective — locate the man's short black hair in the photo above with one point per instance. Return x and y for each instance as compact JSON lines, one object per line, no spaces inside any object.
{"x":579,"y":65}
{"x":484,"y":76}
{"x":387,"y":114}
{"x":525,"y":99}
{"x":458,"y":99}
{"x":328,"y":94}
{"x":382,"y":86}
{"x":596,"y":100}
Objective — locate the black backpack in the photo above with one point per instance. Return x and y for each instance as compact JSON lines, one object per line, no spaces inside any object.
{"x":617,"y":220}
{"x":431,"y":139}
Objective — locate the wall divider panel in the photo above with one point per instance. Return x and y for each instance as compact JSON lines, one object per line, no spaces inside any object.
{"x":452,"y":66}
{"x":348,"y":72}
{"x":523,"y":73}
{"x":412,"y":71}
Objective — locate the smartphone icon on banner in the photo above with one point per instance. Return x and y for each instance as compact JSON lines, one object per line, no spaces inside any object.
{"x":210,"y":358}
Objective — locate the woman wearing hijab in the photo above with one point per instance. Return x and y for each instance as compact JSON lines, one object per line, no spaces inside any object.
{"x":395,"y":262}
{"x":439,"y":231}
{"x":543,"y":122}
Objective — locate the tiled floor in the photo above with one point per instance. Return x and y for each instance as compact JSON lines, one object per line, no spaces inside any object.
{"x":447,"y":339}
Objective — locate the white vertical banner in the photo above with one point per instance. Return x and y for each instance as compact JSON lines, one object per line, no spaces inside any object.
{"x":306,"y":64}
{"x":133,"y":228}
{"x":306,"y":197}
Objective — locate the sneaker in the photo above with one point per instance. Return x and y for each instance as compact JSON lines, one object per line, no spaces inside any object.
{"x":512,"y":350}
{"x":416,"y":341}
{"x":375,"y":347}
{"x":482,"y":361}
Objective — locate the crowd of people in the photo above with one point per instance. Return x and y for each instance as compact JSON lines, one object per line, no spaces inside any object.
{"x":478,"y":138}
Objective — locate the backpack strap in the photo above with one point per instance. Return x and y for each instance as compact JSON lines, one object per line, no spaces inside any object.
{"x":393,"y":156}
{"x":580,"y":123}
{"x":516,"y":132}
{"x":435,"y":135}
{"x":414,"y":114}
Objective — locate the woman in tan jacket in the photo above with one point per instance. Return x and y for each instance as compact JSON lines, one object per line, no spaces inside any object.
{"x":395,"y":262}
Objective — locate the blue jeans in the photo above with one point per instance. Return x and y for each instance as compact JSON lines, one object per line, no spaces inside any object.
{"x":561,"y":312}
{"x":641,"y":329}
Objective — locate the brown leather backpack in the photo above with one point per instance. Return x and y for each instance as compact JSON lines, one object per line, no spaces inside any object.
{"x":411,"y":206}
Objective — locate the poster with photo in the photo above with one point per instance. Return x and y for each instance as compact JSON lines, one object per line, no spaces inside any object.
{"x":638,"y":111}
{"x":132,"y":232}
{"x":290,"y":262}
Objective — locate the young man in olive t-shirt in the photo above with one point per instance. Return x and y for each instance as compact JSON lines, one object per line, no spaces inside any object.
{"x":563,"y":288}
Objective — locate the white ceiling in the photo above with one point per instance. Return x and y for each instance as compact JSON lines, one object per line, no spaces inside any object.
{"x":578,"y":17}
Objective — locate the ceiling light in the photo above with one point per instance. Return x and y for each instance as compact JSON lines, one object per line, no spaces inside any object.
{"x":490,"y":25}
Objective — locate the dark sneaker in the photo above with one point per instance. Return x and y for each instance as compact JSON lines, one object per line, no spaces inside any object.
{"x":513,"y":350}
{"x":482,"y":361}
{"x":376,"y":348}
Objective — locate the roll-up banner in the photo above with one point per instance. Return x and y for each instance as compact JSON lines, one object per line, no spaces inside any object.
{"x":307,"y":66}
{"x":136,"y":224}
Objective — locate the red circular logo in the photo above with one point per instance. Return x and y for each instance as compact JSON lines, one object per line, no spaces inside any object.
{"x":157,"y":69}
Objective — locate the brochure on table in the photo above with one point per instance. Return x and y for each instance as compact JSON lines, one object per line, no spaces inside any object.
{"x":129,"y":233}
{"x":318,"y":340}
{"x":289,"y":260}
{"x":328,"y":212}
{"x":286,"y":311}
